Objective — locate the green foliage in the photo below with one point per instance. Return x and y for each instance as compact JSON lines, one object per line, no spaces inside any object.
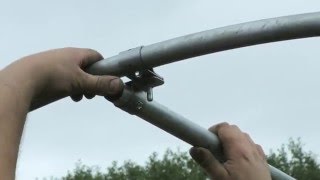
{"x":82,"y":172}
{"x":290,"y":158}
{"x":293,"y":160}
{"x":173,"y":165}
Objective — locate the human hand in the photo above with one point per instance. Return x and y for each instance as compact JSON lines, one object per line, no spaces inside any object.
{"x":55,"y":74}
{"x":39,"y":79}
{"x":245,"y":160}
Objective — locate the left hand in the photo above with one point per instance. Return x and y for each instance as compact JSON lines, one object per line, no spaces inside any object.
{"x":55,"y":74}
{"x":37,"y":80}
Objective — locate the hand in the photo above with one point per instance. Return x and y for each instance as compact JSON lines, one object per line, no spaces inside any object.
{"x":55,"y":74}
{"x":37,"y":80}
{"x":245,"y":160}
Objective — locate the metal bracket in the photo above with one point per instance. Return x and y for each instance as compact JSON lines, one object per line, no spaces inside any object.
{"x":145,"y":80}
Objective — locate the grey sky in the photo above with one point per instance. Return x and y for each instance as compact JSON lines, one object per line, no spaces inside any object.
{"x":271,"y":91}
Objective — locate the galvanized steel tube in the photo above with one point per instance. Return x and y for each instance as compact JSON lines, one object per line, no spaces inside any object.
{"x":136,"y":103}
{"x":230,"y":37}
{"x":225,"y":38}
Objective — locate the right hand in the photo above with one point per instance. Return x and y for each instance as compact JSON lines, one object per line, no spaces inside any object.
{"x":245,"y":160}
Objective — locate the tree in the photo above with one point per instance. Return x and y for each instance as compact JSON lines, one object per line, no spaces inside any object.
{"x":173,"y":165}
{"x":290,"y":158}
{"x":293,"y":160}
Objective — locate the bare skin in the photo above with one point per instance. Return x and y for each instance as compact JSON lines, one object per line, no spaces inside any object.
{"x":42,"y":78}
{"x":38,"y":80}
{"x":245,"y":160}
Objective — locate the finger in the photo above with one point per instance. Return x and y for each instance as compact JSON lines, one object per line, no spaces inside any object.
{"x":88,"y":57}
{"x":232,"y":140}
{"x":214,"y":129}
{"x":229,"y":133}
{"x":249,"y":138}
{"x":76,"y":98}
{"x":250,"y":142}
{"x":89,"y":96}
{"x":261,"y":152}
{"x":109,"y":86}
{"x":209,"y":163}
{"x":113,"y":97}
{"x":226,"y":132}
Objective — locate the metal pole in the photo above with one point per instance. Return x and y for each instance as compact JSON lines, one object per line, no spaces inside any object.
{"x":220,"y":39}
{"x":230,"y":37}
{"x":215,"y":40}
{"x":226,"y":38}
{"x":136,"y":103}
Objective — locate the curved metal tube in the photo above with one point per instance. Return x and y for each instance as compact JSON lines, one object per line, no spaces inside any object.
{"x":230,"y":37}
{"x":226,"y":38}
{"x":215,"y":40}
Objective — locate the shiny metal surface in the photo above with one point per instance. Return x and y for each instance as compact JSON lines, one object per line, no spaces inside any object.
{"x":211,"y":41}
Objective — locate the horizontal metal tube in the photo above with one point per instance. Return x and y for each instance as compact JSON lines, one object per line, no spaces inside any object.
{"x":137,"y":104}
{"x":230,"y":37}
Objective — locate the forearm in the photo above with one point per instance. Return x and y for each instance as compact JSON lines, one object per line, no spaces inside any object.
{"x":15,"y":96}
{"x":40,"y":79}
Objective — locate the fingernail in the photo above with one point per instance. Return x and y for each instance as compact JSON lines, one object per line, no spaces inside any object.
{"x":116,"y":86}
{"x":116,"y":89}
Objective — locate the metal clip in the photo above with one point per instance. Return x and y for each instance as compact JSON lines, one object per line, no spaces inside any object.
{"x":145,"y":80}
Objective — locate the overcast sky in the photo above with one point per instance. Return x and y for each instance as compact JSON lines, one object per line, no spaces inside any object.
{"x":270,"y":91}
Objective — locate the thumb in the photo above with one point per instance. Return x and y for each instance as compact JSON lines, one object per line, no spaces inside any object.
{"x":108,"y":86}
{"x":209,"y":163}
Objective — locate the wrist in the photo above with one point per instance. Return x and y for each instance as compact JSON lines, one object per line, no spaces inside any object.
{"x":23,"y":78}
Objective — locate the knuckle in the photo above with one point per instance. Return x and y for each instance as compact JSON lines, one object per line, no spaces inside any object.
{"x":88,"y":51}
{"x":88,"y":56}
{"x":223,"y":124}
{"x":99,"y":83}
{"x":69,"y":48}
{"x":235,"y":127}
{"x":220,"y":126}
{"x":246,"y":135}
{"x":259,"y":147}
{"x":224,"y":129}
